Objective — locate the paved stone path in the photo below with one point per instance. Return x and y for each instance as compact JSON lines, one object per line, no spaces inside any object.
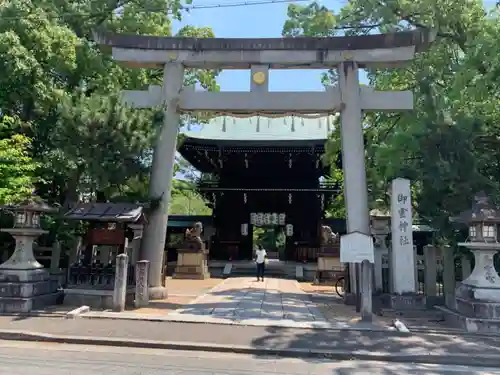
{"x":180,"y":292}
{"x":245,"y":301}
{"x":246,"y":298}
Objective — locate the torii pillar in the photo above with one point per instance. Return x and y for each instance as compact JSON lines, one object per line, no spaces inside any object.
{"x":353,"y":157}
{"x":162,"y":170}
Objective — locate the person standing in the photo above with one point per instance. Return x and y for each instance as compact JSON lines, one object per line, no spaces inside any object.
{"x":260,"y":260}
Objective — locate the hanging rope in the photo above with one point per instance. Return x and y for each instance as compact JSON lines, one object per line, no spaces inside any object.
{"x":269,"y":114}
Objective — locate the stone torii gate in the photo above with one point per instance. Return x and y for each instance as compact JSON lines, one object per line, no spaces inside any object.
{"x":346,"y":54}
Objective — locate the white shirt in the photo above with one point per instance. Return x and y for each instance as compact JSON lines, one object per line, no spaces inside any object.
{"x":261,"y":255}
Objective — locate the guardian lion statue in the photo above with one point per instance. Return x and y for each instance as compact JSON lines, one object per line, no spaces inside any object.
{"x":328,"y":237}
{"x":195,"y":232}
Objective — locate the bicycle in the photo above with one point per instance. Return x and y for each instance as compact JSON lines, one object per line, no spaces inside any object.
{"x":339,"y":286}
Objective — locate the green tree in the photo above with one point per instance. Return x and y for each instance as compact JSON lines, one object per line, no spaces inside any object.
{"x":448,"y":145}
{"x":64,"y":91}
{"x":188,"y":202}
{"x":17,"y":168}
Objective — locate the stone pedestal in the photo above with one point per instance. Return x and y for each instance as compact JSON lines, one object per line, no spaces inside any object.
{"x":477,"y":298}
{"x":24,"y":284}
{"x":329,"y":265}
{"x":191,"y":264}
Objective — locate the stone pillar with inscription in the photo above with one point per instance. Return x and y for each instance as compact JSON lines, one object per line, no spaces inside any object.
{"x":141,"y":283}
{"x":120,"y":287}
{"x":74,"y":255}
{"x":380,"y":223}
{"x":430,"y":272}
{"x":449,"y":278}
{"x":366,"y":285}
{"x":403,"y":259}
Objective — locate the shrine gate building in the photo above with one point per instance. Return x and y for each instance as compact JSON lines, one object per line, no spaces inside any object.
{"x":262,"y":171}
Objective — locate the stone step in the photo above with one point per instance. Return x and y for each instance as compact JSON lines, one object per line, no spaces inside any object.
{"x":250,"y":271}
{"x":430,"y":314}
{"x":270,"y":271}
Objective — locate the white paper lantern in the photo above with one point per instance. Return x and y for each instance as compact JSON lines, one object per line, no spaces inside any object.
{"x":253,"y":218}
{"x":21,"y":219}
{"x":274,"y":218}
{"x":289,"y":230}
{"x":489,"y":231}
{"x":267,"y":219}
{"x":244,"y":229}
{"x":281,"y":219}
{"x":260,"y":218}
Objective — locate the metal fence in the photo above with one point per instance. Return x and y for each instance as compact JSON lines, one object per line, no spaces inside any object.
{"x":96,"y":276}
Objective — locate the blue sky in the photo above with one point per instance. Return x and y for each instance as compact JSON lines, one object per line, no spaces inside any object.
{"x":264,"y":21}
{"x":259,"y":21}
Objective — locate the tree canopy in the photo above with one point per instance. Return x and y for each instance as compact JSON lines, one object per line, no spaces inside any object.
{"x":447,"y":146}
{"x":72,"y":137}
{"x":17,"y":168}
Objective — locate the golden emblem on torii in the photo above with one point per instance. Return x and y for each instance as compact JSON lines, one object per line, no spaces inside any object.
{"x":259,"y":78}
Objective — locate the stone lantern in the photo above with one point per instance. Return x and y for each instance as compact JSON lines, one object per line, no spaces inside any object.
{"x":380,"y":223}
{"x":24,"y":283}
{"x":477,"y":298}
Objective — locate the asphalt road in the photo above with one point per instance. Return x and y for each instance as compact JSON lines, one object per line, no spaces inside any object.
{"x":19,"y":358}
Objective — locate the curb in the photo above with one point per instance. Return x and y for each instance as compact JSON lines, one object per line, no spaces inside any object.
{"x":465,"y":359}
{"x":415,"y":330}
{"x":390,"y":330}
{"x":241,"y":323}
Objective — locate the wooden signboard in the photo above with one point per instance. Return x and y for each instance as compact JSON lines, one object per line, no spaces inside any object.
{"x":104,"y":236}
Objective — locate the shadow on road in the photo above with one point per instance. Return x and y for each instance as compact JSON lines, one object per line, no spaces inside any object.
{"x":373,"y":342}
